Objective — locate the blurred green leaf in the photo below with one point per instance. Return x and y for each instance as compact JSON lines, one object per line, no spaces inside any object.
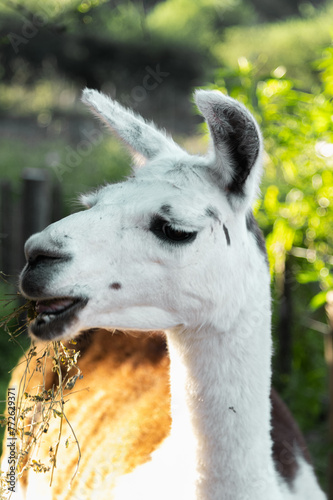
{"x":318,"y":300}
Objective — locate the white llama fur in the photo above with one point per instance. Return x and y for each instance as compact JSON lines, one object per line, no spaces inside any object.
{"x":211,"y":294}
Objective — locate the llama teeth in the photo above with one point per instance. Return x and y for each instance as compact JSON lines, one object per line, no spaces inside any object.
{"x":52,"y":306}
{"x":48,"y":317}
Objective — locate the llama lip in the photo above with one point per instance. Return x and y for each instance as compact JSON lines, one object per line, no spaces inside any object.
{"x":53,"y":306}
{"x":54,"y":316}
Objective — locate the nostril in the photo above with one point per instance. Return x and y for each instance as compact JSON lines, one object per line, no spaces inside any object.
{"x":40,"y":247}
{"x":38,"y":255}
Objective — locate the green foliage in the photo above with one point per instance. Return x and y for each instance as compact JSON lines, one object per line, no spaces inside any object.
{"x":119,"y":20}
{"x":10,"y":351}
{"x":102,"y":41}
{"x":35,"y":5}
{"x":76,"y":172}
{"x":293,"y":44}
{"x":197,"y":22}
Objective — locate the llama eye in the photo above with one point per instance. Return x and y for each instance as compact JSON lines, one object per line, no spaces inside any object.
{"x":176,"y":234}
{"x":163,"y":230}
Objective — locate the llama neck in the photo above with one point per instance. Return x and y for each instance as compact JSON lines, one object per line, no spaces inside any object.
{"x":220,"y":385}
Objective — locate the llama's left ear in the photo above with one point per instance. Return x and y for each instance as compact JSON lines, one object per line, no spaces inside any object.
{"x":236,"y":164}
{"x":143,"y":139}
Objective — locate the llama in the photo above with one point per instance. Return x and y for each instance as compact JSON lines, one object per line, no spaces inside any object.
{"x":176,"y":248}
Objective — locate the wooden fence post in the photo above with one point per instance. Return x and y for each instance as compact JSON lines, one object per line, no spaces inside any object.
{"x":57,"y":211}
{"x":284,"y":327}
{"x":6,"y":263}
{"x":36,"y":201}
{"x":39,"y":205}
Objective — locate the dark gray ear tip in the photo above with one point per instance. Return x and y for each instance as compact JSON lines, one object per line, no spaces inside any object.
{"x":206,"y":99}
{"x":220,"y":108}
{"x":236,"y":137}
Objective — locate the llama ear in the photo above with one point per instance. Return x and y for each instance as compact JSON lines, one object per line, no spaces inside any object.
{"x":237,"y":142}
{"x":143,"y":140}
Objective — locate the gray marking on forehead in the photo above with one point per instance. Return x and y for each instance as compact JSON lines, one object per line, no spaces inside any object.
{"x":226,"y":232}
{"x":253,"y":227}
{"x":166,"y":212}
{"x":165,"y":209}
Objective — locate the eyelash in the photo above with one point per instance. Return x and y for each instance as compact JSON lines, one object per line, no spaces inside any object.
{"x":165,"y":232}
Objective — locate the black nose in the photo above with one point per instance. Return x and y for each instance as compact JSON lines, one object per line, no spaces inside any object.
{"x":42,"y":255}
{"x":37,"y":250}
{"x":44,"y":261}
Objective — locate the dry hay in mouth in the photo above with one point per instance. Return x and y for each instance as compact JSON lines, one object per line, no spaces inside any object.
{"x":23,"y":428}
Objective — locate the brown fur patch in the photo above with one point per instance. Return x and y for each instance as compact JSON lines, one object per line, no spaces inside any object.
{"x":288,"y":441}
{"x":120,"y":412}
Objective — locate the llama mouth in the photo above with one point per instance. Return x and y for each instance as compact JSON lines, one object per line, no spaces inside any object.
{"x":54,"y":316}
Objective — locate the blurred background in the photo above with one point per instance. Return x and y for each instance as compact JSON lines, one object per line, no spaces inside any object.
{"x":276,"y":56}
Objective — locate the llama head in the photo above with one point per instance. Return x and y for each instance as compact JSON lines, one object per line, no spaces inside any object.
{"x":169,"y":246}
